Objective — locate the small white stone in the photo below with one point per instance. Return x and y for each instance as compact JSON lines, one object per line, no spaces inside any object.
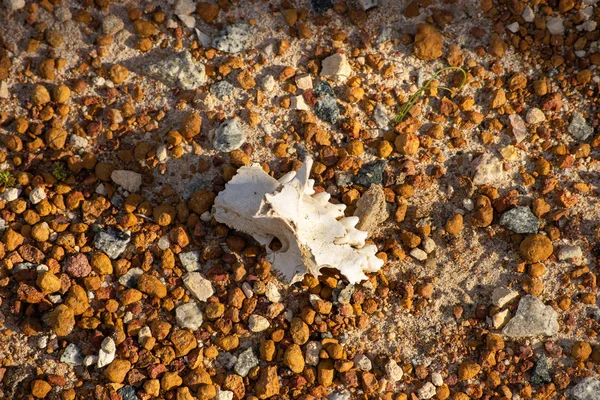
{"x":258,"y":323}
{"x":393,"y":371}
{"x":10,"y":194}
{"x":489,"y":170}
{"x":184,"y":7}
{"x":190,"y":260}
{"x":90,"y":360}
{"x":268,"y":83}
{"x":98,"y":81}
{"x":62,"y":14}
{"x":41,"y":268}
{"x":272,"y":293}
{"x":304,"y":81}
{"x":206,"y":216}
{"x":518,"y":127}
{"x":298,"y":103}
{"x":336,"y":66}
{"x":101,"y":190}
{"x":510,"y":152}
{"x":436,"y":379}
{"x":224,"y":395}
{"x":188,"y":20}
{"x":363,"y":362}
{"x":3,"y":224}
{"x":535,"y":116}
{"x":275,"y":309}
{"x":500,"y":319}
{"x":144,"y":334}
{"x":203,"y":38}
{"x":555,"y":26}
{"x":72,"y":355}
{"x":189,"y":316}
{"x":42,"y":342}
{"x":112,"y":24}
{"x":587,"y":26}
{"x":427,"y":391}
{"x":4,"y":94}
{"x":514,"y":27}
{"x":528,"y":14}
{"x":587,"y":12}
{"x":78,"y":142}
{"x":198,"y":286}
{"x":128,"y":180}
{"x":108,"y":349}
{"x":14,"y":5}
{"x":311,"y":356}
{"x":501,"y":296}
{"x":568,"y":252}
{"x":428,"y":245}
{"x":368,"y":4}
{"x":381,"y":117}
{"x":172,"y":24}
{"x":36,"y":195}
{"x":418,"y":254}
{"x":162,"y":154}
{"x":247,"y":289}
{"x":468,"y":204}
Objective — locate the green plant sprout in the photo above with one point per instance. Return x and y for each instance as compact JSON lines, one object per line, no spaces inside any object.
{"x":413,"y":99}
{"x":59,"y":172}
{"x":6,"y":178}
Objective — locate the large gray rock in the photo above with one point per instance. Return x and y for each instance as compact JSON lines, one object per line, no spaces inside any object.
{"x":371,"y":208}
{"x":178,"y":70}
{"x":230,"y":135}
{"x":587,"y":389}
{"x":579,"y":128}
{"x":533,"y":318}
{"x":233,"y":38}
{"x":520,"y":220}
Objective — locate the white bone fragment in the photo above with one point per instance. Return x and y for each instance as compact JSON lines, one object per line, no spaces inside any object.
{"x":313,"y":232}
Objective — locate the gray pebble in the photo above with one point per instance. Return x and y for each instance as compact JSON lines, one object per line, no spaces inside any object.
{"x":520,"y":220}
{"x":579,"y":128}
{"x":229,"y":136}
{"x":233,"y":38}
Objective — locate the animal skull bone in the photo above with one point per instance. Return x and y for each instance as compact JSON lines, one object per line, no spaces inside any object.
{"x":313,"y":232}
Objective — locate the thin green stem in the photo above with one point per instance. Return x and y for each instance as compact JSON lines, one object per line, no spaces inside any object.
{"x":413,"y":99}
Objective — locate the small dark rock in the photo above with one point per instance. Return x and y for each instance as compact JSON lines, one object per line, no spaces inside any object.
{"x":128,"y":393}
{"x":371,"y":173}
{"x":540,"y":373}
{"x":327,"y":109}
{"x":321,"y":5}
{"x":323,"y":88}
